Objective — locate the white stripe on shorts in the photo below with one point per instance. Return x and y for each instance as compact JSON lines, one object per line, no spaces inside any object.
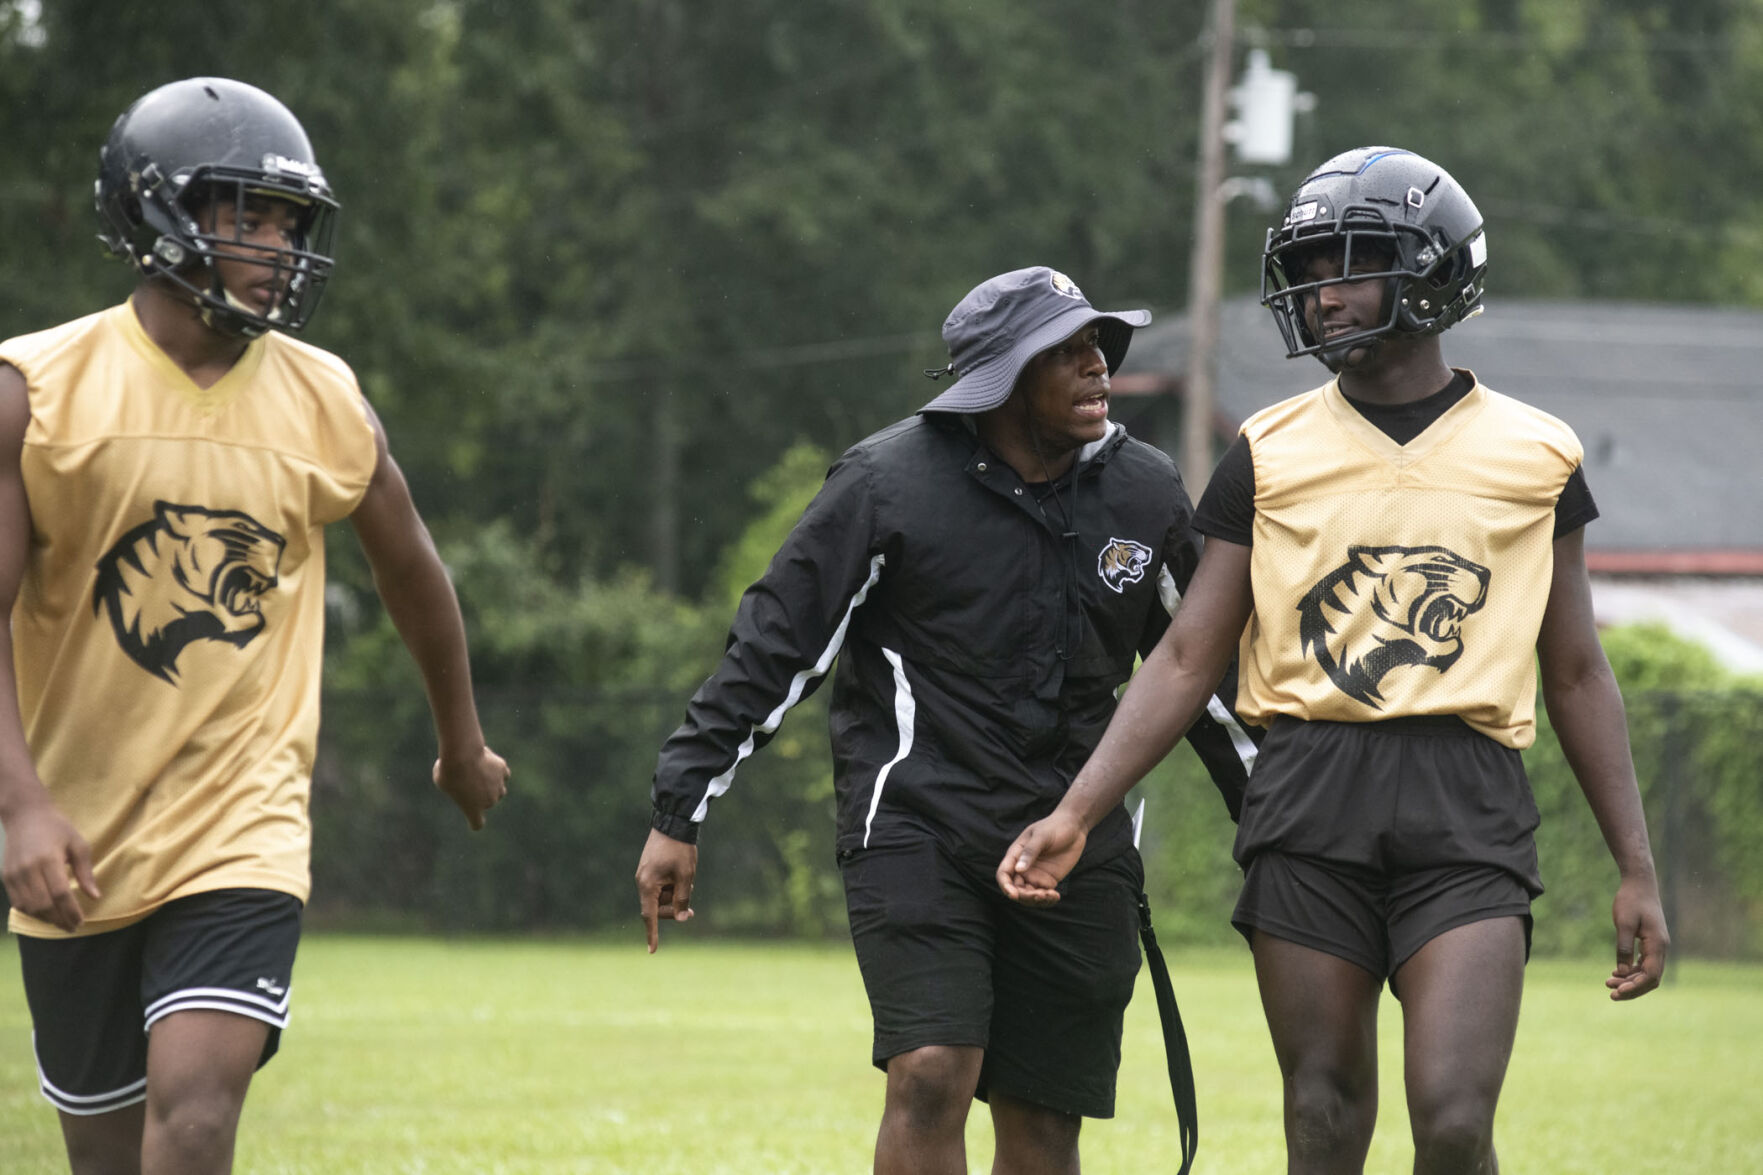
{"x":222,"y":999}
{"x":87,"y":1105}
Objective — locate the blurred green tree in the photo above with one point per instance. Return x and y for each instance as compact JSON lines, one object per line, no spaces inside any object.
{"x":603,"y":264}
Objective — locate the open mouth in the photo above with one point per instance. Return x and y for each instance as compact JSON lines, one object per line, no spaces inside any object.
{"x":1093,"y":407}
{"x":1443,"y":619}
{"x":240,"y":593}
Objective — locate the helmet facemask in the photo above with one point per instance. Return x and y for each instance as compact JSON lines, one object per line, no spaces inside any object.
{"x":1428,"y":285}
{"x":1412,"y":213}
{"x":193,"y":238}
{"x":1368,"y":253}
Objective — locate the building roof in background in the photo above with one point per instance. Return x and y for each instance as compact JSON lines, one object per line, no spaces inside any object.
{"x":1666,"y":399}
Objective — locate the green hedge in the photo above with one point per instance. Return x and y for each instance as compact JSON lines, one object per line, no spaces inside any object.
{"x":605,"y":673}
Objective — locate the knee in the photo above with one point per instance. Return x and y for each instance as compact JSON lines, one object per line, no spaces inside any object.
{"x":1327,"y":1114}
{"x":931,"y":1087}
{"x":1451,"y":1116}
{"x":197,"y":1128}
{"x":1453,"y":1136}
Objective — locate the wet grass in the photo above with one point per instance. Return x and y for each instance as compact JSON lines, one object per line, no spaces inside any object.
{"x":484,"y":1055}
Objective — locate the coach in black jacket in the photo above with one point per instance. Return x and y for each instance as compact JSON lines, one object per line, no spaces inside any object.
{"x":989,"y":569}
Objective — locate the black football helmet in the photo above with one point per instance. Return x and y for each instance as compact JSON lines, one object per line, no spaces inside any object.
{"x":184,"y":148}
{"x":1390,"y":204}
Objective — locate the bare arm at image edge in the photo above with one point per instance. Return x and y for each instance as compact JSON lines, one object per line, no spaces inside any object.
{"x":1585,"y":707}
{"x":418,"y":595}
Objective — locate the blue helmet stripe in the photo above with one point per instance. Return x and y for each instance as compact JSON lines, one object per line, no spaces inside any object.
{"x":1366,"y":166}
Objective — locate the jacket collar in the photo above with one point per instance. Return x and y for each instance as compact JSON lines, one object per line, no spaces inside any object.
{"x":1095,"y":451}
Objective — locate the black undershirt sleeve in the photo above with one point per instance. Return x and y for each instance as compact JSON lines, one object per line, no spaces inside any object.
{"x":1574,"y":508}
{"x":1227,"y":508}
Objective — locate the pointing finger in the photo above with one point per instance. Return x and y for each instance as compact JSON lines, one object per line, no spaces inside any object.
{"x":649,"y":905}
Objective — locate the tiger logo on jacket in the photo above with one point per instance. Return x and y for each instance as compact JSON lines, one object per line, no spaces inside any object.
{"x":1122,"y":562}
{"x":187,"y":574}
{"x":1386,"y":608}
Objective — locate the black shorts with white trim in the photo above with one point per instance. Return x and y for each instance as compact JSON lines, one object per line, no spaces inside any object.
{"x":94,"y":998}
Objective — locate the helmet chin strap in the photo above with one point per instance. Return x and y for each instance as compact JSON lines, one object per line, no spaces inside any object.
{"x":274,"y":316}
{"x":238,"y":325}
{"x":1338,"y":359}
{"x":242,"y":323}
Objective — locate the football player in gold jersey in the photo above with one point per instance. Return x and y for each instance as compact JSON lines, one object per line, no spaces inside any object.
{"x":168,"y":468}
{"x":1393,"y":553}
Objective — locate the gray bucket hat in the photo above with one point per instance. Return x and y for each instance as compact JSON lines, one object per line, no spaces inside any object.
{"x":1006,"y":321}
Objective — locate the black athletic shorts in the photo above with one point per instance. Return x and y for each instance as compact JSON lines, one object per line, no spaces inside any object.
{"x":947,"y":959}
{"x":1367,"y":840}
{"x":93,"y":999}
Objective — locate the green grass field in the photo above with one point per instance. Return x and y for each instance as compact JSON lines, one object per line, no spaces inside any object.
{"x":418,"y":1055}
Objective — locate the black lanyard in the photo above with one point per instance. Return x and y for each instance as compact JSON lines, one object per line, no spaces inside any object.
{"x":1175,"y":1041}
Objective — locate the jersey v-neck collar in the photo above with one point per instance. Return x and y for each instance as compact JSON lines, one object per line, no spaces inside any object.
{"x":1382,"y":445}
{"x":207,"y":400}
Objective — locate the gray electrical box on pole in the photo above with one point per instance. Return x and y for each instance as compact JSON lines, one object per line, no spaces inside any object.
{"x":1266,"y":100}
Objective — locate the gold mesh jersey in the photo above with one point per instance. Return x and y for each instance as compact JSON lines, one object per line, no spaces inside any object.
{"x":1394,"y":580}
{"x":169,"y":627}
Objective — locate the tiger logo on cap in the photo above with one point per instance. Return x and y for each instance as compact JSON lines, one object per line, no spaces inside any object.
{"x":1064,"y":285}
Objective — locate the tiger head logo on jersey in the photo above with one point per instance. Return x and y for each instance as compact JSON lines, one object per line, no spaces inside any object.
{"x":189,"y":574}
{"x":1122,"y":562}
{"x":1386,"y":608}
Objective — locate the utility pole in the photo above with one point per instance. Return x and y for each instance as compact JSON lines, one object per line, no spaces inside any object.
{"x":1206,"y":263}
{"x":1266,"y":102}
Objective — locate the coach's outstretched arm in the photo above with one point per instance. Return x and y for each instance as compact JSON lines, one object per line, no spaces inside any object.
{"x":1164,"y":698}
{"x":787,"y":629}
{"x":1585,"y":707}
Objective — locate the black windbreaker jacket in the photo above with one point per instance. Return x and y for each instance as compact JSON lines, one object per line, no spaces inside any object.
{"x":980,"y":640}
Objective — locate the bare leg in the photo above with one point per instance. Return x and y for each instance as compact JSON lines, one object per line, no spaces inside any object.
{"x":925,"y":1117}
{"x":1032,"y":1139}
{"x":1460,"y":998}
{"x":104,"y":1144}
{"x":1322,"y":1013}
{"x":199,"y":1065}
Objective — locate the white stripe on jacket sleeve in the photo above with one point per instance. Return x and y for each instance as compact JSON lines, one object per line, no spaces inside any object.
{"x":798,"y":684}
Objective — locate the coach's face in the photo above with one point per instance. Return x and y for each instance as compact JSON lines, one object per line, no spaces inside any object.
{"x":1065,"y":391}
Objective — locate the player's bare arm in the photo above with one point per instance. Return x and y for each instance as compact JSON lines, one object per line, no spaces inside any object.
{"x":1166,"y":695}
{"x":665,"y":874}
{"x":1585,"y":708}
{"x":418,"y":595}
{"x":43,"y":850}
